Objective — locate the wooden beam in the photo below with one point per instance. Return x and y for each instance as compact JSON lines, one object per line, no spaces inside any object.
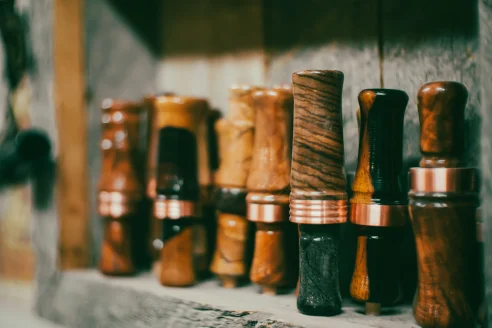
{"x":69,"y":94}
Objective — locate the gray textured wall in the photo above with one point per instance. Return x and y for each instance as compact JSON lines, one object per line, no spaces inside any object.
{"x":119,"y":65}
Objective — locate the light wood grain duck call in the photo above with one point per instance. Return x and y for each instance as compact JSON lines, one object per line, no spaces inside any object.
{"x":379,"y":204}
{"x":177,"y":201}
{"x":442,"y":202}
{"x":232,"y":255}
{"x":318,"y":198}
{"x":275,"y":259}
{"x":121,"y":188}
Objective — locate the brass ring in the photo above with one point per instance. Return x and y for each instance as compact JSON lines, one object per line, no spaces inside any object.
{"x":376,"y":215}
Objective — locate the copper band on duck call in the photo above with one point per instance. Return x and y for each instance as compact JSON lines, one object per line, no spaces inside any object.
{"x":307,"y":211}
{"x":376,"y":215}
{"x":443,"y":179}
{"x":117,"y":204}
{"x":268,"y":208}
{"x":175,"y":209}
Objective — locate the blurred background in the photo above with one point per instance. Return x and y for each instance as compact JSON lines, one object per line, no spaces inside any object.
{"x":59,"y":59}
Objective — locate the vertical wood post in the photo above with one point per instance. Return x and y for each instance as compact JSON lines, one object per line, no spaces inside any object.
{"x":69,"y":94}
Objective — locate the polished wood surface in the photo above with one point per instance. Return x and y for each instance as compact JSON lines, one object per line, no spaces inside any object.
{"x":178,"y":268}
{"x":269,"y":179}
{"x":235,"y":133}
{"x":232,"y":253}
{"x":270,"y":167}
{"x":376,"y":274}
{"x":375,"y":277}
{"x":318,"y":136}
{"x":236,"y":136}
{"x":442,"y":122}
{"x":122,"y":169}
{"x":318,"y":139}
{"x":380,"y":148}
{"x":444,"y":223}
{"x":445,"y":235}
{"x":122,"y":176}
{"x":275,"y":261}
{"x":117,"y":256}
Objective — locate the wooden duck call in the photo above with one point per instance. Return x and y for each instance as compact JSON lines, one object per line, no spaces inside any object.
{"x":231,"y":259}
{"x":442,"y":202}
{"x":120,"y":185}
{"x":318,"y":198}
{"x":378,"y":204}
{"x":275,"y":260}
{"x":177,"y":201}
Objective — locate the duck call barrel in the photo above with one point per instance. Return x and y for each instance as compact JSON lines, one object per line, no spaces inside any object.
{"x":378,"y":203}
{"x":232,"y":255}
{"x":275,"y":256}
{"x":318,"y":198}
{"x":120,"y":185}
{"x":443,"y":200}
{"x":177,"y":201}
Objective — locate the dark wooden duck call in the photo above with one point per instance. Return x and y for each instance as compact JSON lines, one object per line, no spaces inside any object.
{"x":442,"y":202}
{"x":236,"y":135}
{"x":275,"y":260}
{"x":318,"y":198}
{"x":177,"y":201}
{"x":120,"y":186}
{"x":378,"y":204}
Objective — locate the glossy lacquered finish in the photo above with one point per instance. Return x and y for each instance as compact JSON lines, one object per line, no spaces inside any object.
{"x":183,"y":253}
{"x":378,"y":203}
{"x":121,"y":187}
{"x":275,"y":255}
{"x":318,"y":198}
{"x":232,"y":257}
{"x":442,"y":211}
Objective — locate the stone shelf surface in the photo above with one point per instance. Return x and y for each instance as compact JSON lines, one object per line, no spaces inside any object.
{"x":89,"y":299}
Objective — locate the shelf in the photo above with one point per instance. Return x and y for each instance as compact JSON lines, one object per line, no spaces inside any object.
{"x":89,"y":299}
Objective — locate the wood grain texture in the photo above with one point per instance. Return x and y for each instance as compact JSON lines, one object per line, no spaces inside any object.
{"x":318,"y":136}
{"x":442,"y":119}
{"x":270,"y":167}
{"x":232,"y":257}
{"x":380,"y":148}
{"x":177,"y":267}
{"x":438,"y":41}
{"x":376,"y":275}
{"x":197,"y":44}
{"x":319,"y":291}
{"x":447,"y":260}
{"x":236,"y":137}
{"x":69,"y":91}
{"x":275,"y":261}
{"x":301,"y":36}
{"x":485,"y":21}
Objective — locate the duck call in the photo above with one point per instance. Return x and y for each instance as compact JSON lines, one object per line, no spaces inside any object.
{"x":318,"y":198}
{"x":275,"y":257}
{"x":378,"y":206}
{"x":120,"y":185}
{"x":443,"y":200}
{"x":232,"y":255}
{"x":177,"y":201}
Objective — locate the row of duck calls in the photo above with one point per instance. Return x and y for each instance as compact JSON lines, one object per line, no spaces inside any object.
{"x":232,"y":257}
{"x":378,"y":206}
{"x":121,"y":186}
{"x":177,"y":199}
{"x":275,"y":260}
{"x":443,"y":200}
{"x":318,"y":198}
